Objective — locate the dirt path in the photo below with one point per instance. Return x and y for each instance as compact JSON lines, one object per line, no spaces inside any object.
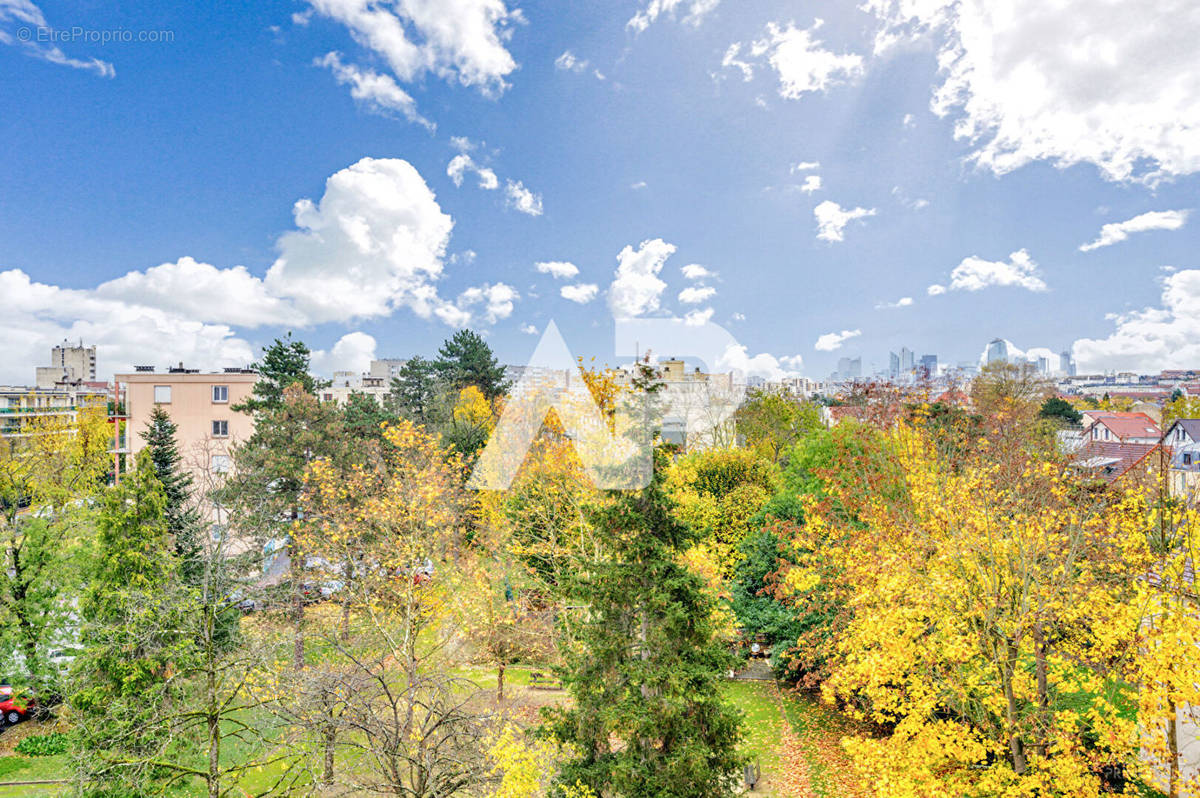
{"x":811,"y":761}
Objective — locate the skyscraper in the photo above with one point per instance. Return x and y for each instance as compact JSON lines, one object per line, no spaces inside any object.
{"x":929,"y":365}
{"x":893,"y":365}
{"x":906,"y":360}
{"x":1067,"y":363}
{"x":997,"y":351}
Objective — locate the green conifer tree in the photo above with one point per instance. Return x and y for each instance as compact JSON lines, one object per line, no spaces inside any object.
{"x":182,"y":517}
{"x":646,"y":666}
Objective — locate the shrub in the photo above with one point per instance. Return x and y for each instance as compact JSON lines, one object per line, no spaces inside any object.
{"x":43,"y":744}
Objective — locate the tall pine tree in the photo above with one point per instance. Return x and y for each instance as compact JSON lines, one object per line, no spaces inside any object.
{"x":646,"y":667}
{"x":182,"y":516}
{"x":466,"y":359}
{"x":284,"y":363}
{"x":134,"y":614}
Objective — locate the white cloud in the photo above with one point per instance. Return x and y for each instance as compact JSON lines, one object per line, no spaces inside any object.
{"x":462,"y":163}
{"x":831,"y":341}
{"x":731,"y":60}
{"x":694,"y":271}
{"x":559,"y":269}
{"x":377,"y":92}
{"x":935,"y":290}
{"x":698,"y":317}
{"x":765,"y":365}
{"x":738,"y":317}
{"x":902,"y":302}
{"x":802,"y":64}
{"x":975,"y":274}
{"x":352,"y":352}
{"x":811,"y":183}
{"x":638,"y":186}
{"x":1115,"y":232}
{"x":582,"y":294}
{"x":497,"y":300}
{"x":908,"y":121}
{"x":695,"y":11}
{"x":1121,"y":91}
{"x":461,"y":40}
{"x":528,"y":329}
{"x":522,"y":198}
{"x":636,"y":288}
{"x":695,"y":294}
{"x":374,"y":242}
{"x":805,"y":166}
{"x":197,"y":290}
{"x":570,"y":62}
{"x":38,"y":316}
{"x":28,"y":20}
{"x":833,"y":218}
{"x":1152,"y":338}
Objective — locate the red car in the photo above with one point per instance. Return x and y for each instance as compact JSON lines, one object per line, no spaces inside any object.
{"x":12,"y":710}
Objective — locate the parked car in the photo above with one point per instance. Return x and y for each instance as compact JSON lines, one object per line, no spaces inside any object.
{"x":13,"y":709}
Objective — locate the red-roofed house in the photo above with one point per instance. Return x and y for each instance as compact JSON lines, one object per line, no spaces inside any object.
{"x":1103,"y":426}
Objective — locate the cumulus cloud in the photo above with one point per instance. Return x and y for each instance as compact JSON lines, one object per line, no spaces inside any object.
{"x":352,"y":352}
{"x":1122,"y":92}
{"x":462,"y":163}
{"x":559,"y":269}
{"x":811,"y":183}
{"x":522,"y":198}
{"x":636,"y":288}
{"x":694,"y":271}
{"x":497,"y":300}
{"x":698,"y":317}
{"x":805,"y":166}
{"x":834,"y":340}
{"x":695,"y":294}
{"x":902,"y":302}
{"x":638,"y":186}
{"x":1115,"y":232}
{"x":1152,"y":338}
{"x":200,"y":290}
{"x":799,"y":60}
{"x":374,"y":242}
{"x":379,"y":93}
{"x":694,"y":12}
{"x":460,"y":40}
{"x":22,"y":15}
{"x":975,"y":274}
{"x":528,"y":329}
{"x":38,"y":316}
{"x":767,"y":366}
{"x":582,"y":293}
{"x":833,"y":218}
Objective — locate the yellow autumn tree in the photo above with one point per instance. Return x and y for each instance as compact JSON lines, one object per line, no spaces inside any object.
{"x":993,"y":617}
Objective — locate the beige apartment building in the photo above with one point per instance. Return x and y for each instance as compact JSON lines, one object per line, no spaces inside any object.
{"x":201,"y":405}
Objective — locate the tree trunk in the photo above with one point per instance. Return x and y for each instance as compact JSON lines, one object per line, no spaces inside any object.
{"x":296,"y":562}
{"x":1016,"y":745}
{"x":500,"y":683}
{"x":1043,"y":690}
{"x":330,"y":736}
{"x":1173,"y":774}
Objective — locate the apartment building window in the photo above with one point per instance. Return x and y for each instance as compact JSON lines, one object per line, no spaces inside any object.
{"x":162,"y":394}
{"x":220,"y":393}
{"x":220,"y":429}
{"x":220,"y":464}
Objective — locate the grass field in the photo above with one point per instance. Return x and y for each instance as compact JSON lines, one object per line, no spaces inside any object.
{"x":793,"y":739}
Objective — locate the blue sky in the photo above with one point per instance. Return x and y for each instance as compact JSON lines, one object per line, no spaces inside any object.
{"x":138,"y":176}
